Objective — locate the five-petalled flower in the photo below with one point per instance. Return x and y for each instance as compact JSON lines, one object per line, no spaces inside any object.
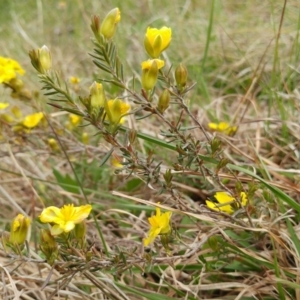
{"x":225,"y":202}
{"x":223,"y":127}
{"x":64,"y":219}
{"x":160,"y":224}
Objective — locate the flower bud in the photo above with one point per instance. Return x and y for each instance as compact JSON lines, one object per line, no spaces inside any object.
{"x":48,"y":246}
{"x":6,"y":118}
{"x":163,"y":101}
{"x":150,"y":72}
{"x":16,"y":111}
{"x":45,"y":58}
{"x":74,"y":119}
{"x":74,"y":80}
{"x":95,"y":26}
{"x":97,"y":95}
{"x":53,"y":144}
{"x":41,"y":59}
{"x":115,"y":109}
{"x":85,"y":138}
{"x":16,"y":84}
{"x":181,"y":74}
{"x":19,"y":229}
{"x":80,"y":231}
{"x":157,"y":40}
{"x":109,"y":24}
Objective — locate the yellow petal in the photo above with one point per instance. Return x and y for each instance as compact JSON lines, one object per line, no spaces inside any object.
{"x":81,"y":213}
{"x":56,"y":230}
{"x":215,"y":206}
{"x":223,"y":197}
{"x":3,"y":105}
{"x":32,"y":120}
{"x":244,"y":199}
{"x":157,"y":40}
{"x":50,"y":214}
{"x":146,"y":65}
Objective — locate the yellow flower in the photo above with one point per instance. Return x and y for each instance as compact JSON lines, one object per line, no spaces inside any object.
{"x":32,"y":120}
{"x":157,"y":40}
{"x":74,"y":80}
{"x":109,"y":24}
{"x":8,"y":69}
{"x":74,"y":119}
{"x":65,"y":218}
{"x":223,"y":127}
{"x":3,"y":105}
{"x":115,"y":109}
{"x":150,"y":69}
{"x":160,"y":224}
{"x":225,"y":202}
{"x":116,"y":161}
{"x":19,"y":229}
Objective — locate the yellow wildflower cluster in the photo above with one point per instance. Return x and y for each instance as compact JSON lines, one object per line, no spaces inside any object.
{"x":226,"y":203}
{"x":20,"y":123}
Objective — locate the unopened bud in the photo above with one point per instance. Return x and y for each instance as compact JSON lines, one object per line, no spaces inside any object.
{"x":109,"y":24}
{"x":97,"y":95}
{"x":53,"y":144}
{"x":150,"y":72}
{"x":95,"y":26}
{"x":74,"y":119}
{"x":19,"y":229}
{"x":48,"y":246}
{"x":45,"y":58}
{"x":41,"y":59}
{"x":85,"y":138}
{"x":163,"y":101}
{"x":215,"y":145}
{"x":181,"y":75}
{"x":16,"y":84}
{"x":16,"y":111}
{"x":80,"y":231}
{"x":213,"y":243}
